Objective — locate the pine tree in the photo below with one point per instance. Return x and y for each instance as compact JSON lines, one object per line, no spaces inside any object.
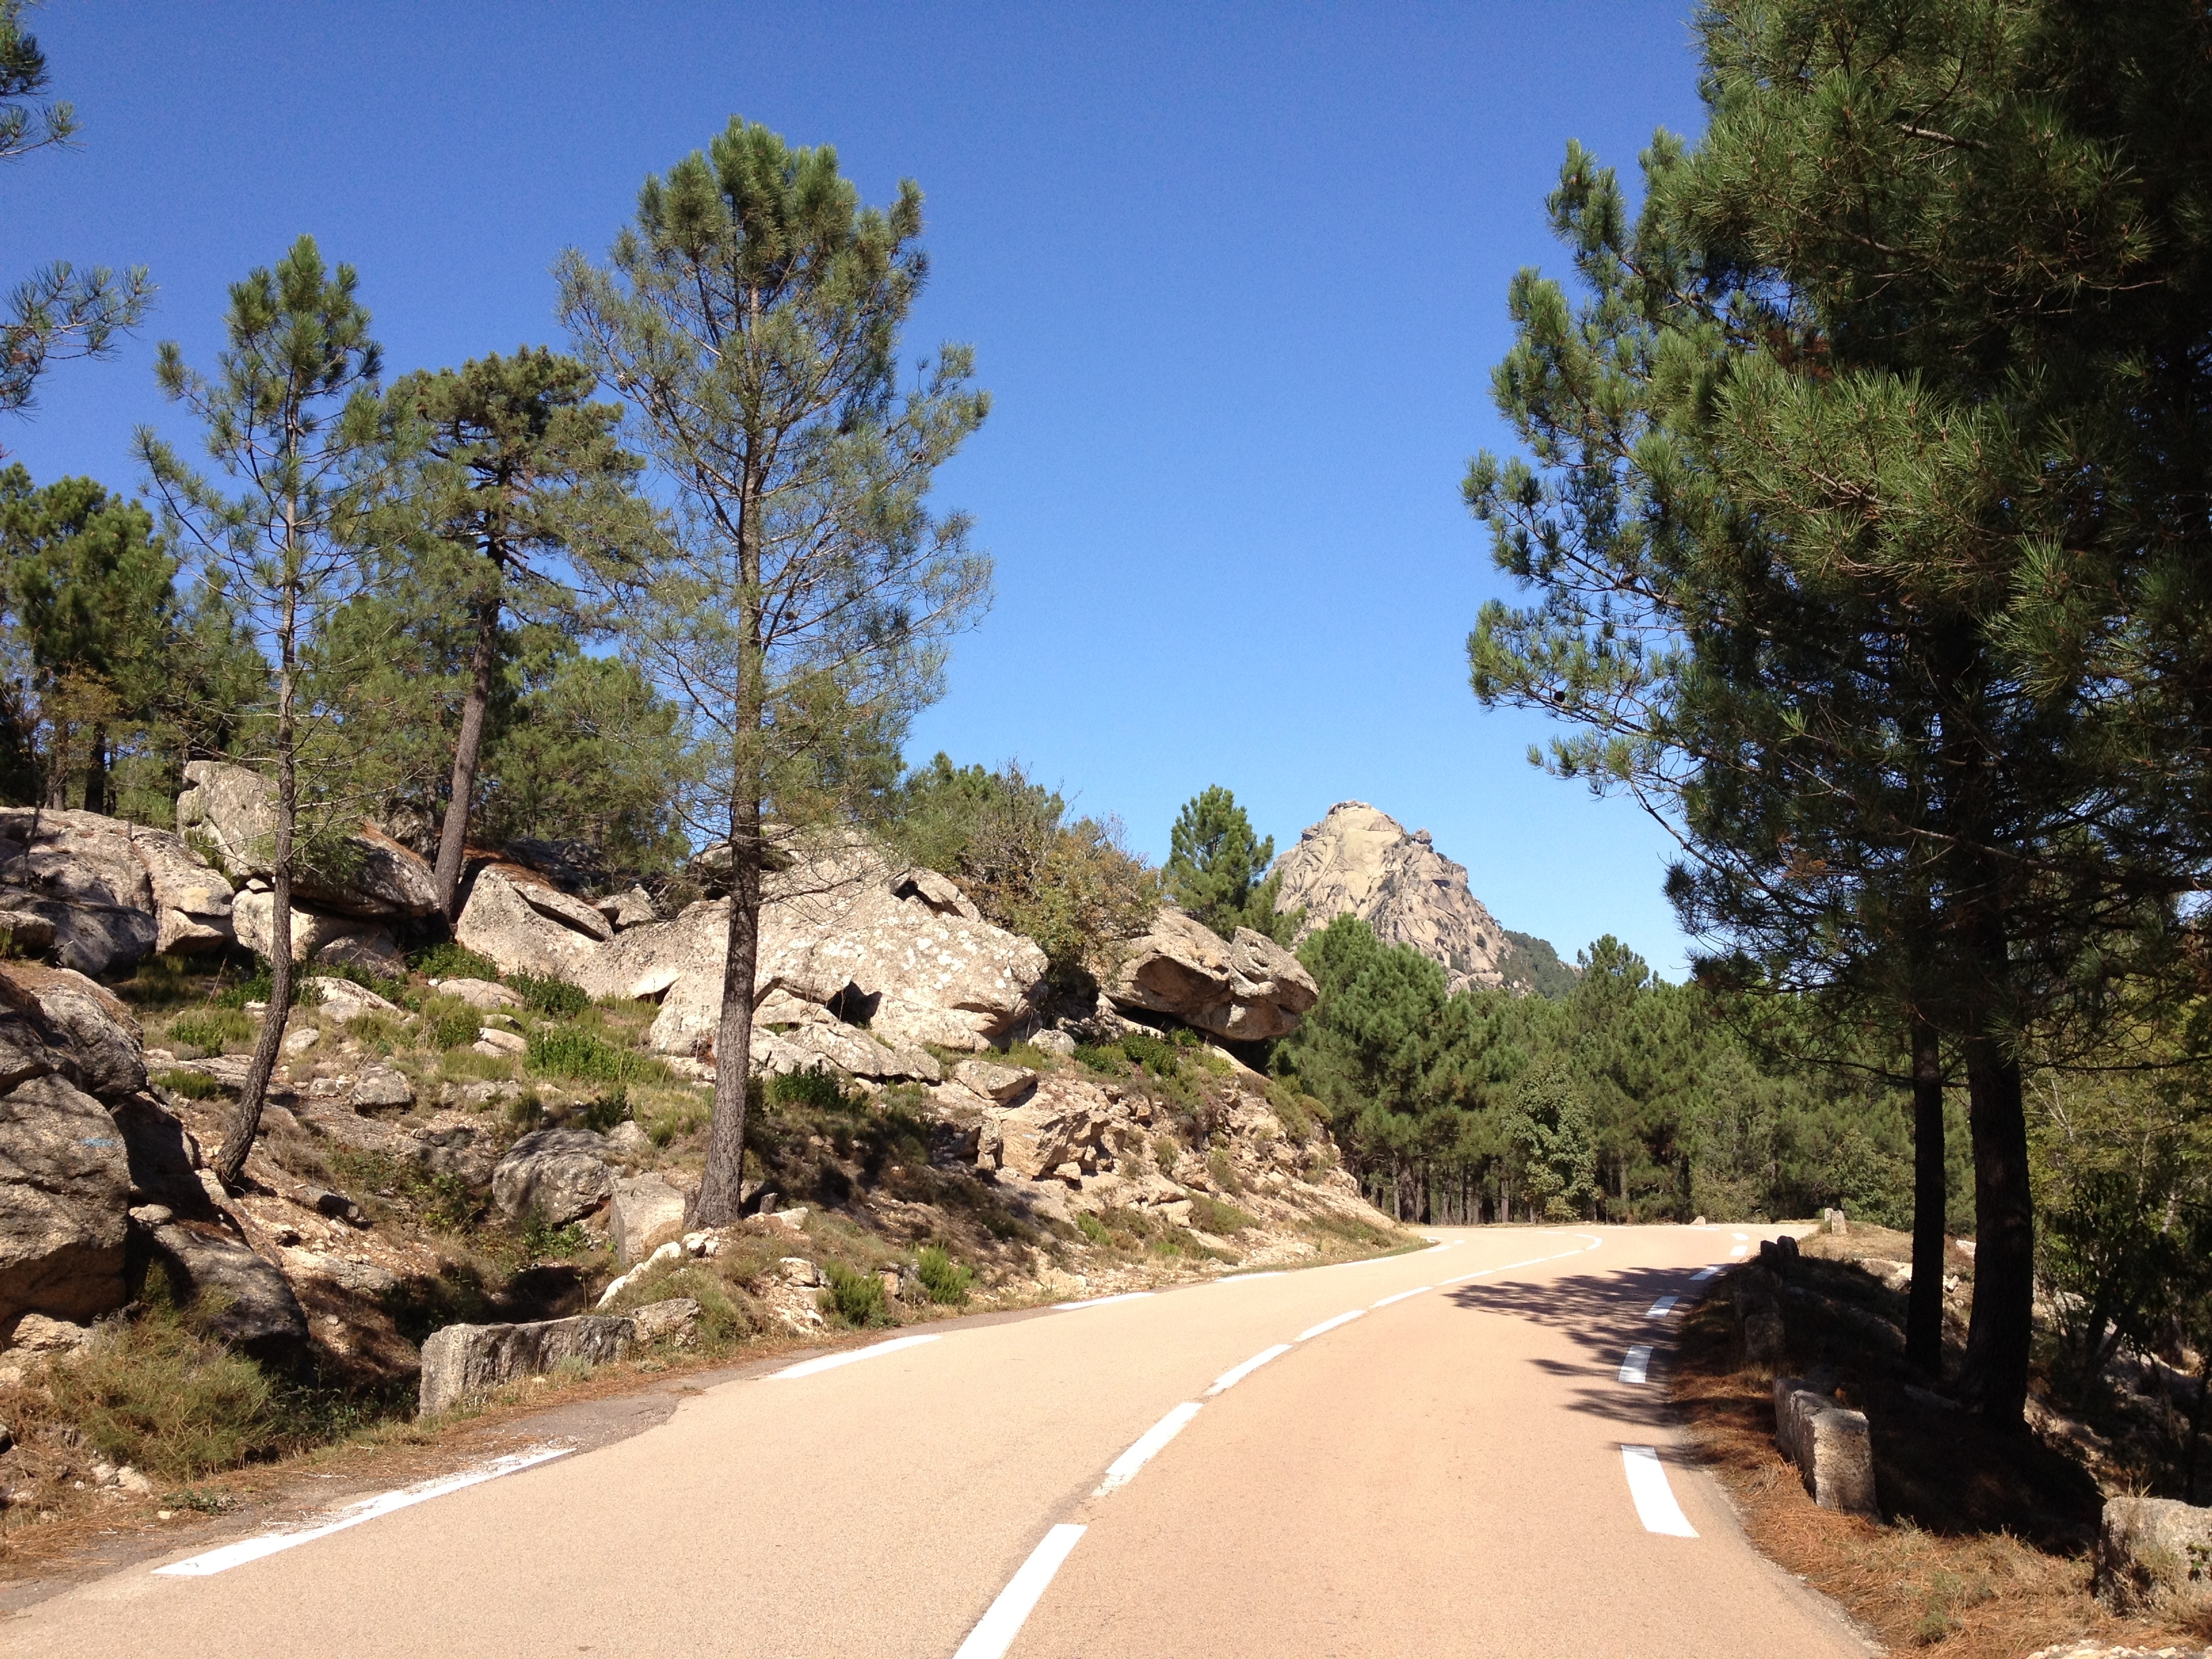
{"x":512,"y":461}
{"x":1217,"y":871}
{"x":799,"y":604}
{"x":293,"y":415}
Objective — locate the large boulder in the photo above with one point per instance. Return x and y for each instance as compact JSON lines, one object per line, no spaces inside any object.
{"x":243,"y":1299}
{"x":559,"y":1174}
{"x":1247,"y":988}
{"x":87,"y":1022}
{"x":2155,"y":1555}
{"x":466,"y":1362}
{"x":64,"y":1189}
{"x":79,"y":872}
{"x":232,"y":810}
{"x":850,"y":1050}
{"x":528,"y":925}
{"x":191,"y":900}
{"x":646,"y":1213}
{"x":317,"y":935}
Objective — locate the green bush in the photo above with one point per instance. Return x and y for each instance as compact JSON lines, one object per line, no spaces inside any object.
{"x":261,"y":985}
{"x":1104,"y":1058}
{"x":212,"y":1028}
{"x":1156,"y":1056}
{"x":855,"y":1298}
{"x":154,"y":1394}
{"x":449,"y":1023}
{"x":1211,"y":1215}
{"x":580,"y":1057}
{"x":943,"y":1278}
{"x":606,"y":1109}
{"x":1093,"y":1229}
{"x":554,"y":998}
{"x":450,"y":961}
{"x":817,"y":1087}
{"x":193,"y":1085}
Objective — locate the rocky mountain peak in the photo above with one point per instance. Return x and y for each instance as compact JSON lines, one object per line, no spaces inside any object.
{"x":1360,"y":860}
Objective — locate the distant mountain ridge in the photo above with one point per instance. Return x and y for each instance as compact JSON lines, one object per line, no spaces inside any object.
{"x":1361,"y":861}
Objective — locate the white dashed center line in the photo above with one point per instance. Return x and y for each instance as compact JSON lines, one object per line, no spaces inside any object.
{"x":1637,"y":1366}
{"x":1123,"y":1469}
{"x":995,"y":1631}
{"x":1662,"y":1308}
{"x":1655,"y":1500}
{"x":1740,"y":1250}
{"x":1230,"y":1378}
{"x":1402,"y":1295}
{"x":1312,"y":1331}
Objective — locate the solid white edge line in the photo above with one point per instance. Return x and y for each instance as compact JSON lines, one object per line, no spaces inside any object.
{"x":369,"y":1509}
{"x":1402,"y":1295}
{"x":1235,"y":1374}
{"x":1662,"y":1307}
{"x":1636,"y":1365}
{"x":1312,"y":1331}
{"x":1703,"y":1274}
{"x":1102,"y":1301}
{"x":995,"y":1630}
{"x":1655,"y":1500}
{"x":830,"y":1362}
{"x":1123,"y":1469}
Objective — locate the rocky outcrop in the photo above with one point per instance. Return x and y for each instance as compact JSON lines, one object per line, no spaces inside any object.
{"x":65,"y":1189}
{"x":557,"y":1174}
{"x":1362,"y":862}
{"x":647,"y":1213}
{"x":243,"y":1299}
{"x":317,"y":935}
{"x":466,"y":1362}
{"x":231,"y":812}
{"x":528,"y":925}
{"x":2152,"y":1554}
{"x":1247,"y":988}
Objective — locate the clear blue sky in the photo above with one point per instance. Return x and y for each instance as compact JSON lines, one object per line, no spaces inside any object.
{"x":1236,"y":276}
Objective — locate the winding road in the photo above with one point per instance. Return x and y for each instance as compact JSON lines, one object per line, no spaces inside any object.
{"x":1458,"y":1451}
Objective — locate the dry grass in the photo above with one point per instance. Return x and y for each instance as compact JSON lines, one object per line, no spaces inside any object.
{"x":1985,"y":1550}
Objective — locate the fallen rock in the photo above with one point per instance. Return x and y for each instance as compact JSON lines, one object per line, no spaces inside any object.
{"x":484,"y":995}
{"x":381,"y":1088}
{"x":317,"y":935}
{"x":466,"y":1362}
{"x":79,"y":874}
{"x":243,"y":1299}
{"x":345,"y":1001}
{"x":25,"y":934}
{"x":164,"y":1159}
{"x":844,"y":1046}
{"x":634,"y":908}
{"x":1055,"y":1043}
{"x":232,"y":812}
{"x":35,"y":1333}
{"x":560,"y":1174}
{"x":1004,"y":1083}
{"x":191,"y":900}
{"x":490,"y":1039}
{"x":1246,"y":989}
{"x":676,"y":1320}
{"x":645,"y":1215}
{"x":529,"y":927}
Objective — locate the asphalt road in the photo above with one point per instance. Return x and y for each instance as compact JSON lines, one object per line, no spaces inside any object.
{"x":1469,"y":1466}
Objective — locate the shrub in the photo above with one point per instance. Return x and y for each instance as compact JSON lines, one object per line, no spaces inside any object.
{"x":451,"y":961}
{"x":193,"y":1085}
{"x":1224,"y":1173}
{"x":449,"y":1023}
{"x":1211,"y":1215}
{"x":542,"y":1240}
{"x":213,"y":1028}
{"x":1093,"y":1229}
{"x":1166,"y":1149}
{"x":154,"y":1393}
{"x":554,"y":998}
{"x":943,"y":1278}
{"x":817,"y":1087}
{"x":581,"y":1057}
{"x":1105,"y":1059}
{"x":1156,"y":1056}
{"x":606,"y":1109}
{"x":855,"y":1298}
{"x":261,"y":985}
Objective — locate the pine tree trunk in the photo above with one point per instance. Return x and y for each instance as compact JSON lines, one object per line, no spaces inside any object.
{"x":1999,"y":1334}
{"x":1923,"y":1319}
{"x":246,"y":1119}
{"x":453,"y":838}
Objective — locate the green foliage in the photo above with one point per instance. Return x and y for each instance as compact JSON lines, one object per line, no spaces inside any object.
{"x":1070,"y":884}
{"x":1532,"y":965}
{"x":1092,"y":1228}
{"x":943,"y":1278}
{"x":1222,"y":1220}
{"x":605,"y":1109}
{"x":154,"y":1393}
{"x":855,"y":1299}
{"x":542,"y":1241}
{"x":448,"y":1022}
{"x":817,"y":1088}
{"x":1217,"y":871}
{"x":214,"y":1029}
{"x":563,"y":1051}
{"x":193,"y":1085}
{"x":446,"y":960}
{"x":556,"y":998}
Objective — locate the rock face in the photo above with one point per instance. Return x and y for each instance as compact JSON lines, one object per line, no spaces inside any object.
{"x":317,"y":935}
{"x":1246,"y":989}
{"x":645,"y":1214}
{"x":64,"y":1187}
{"x":463,"y":1362}
{"x":83,"y":875}
{"x":560,"y":1174}
{"x":1362,"y":862}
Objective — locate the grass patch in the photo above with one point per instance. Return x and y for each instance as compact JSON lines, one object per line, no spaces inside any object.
{"x":1224,"y":1175}
{"x":578,"y":1056}
{"x":855,"y":1299}
{"x":193,"y":1085}
{"x":212,"y":1028}
{"x":154,"y":1394}
{"x":1211,"y":1215}
{"x":451,"y":961}
{"x":465,"y":1066}
{"x":448,"y":1022}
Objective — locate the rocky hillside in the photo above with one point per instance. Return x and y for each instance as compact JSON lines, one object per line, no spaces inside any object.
{"x":1360,"y":861}
{"x":485,"y":1136}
